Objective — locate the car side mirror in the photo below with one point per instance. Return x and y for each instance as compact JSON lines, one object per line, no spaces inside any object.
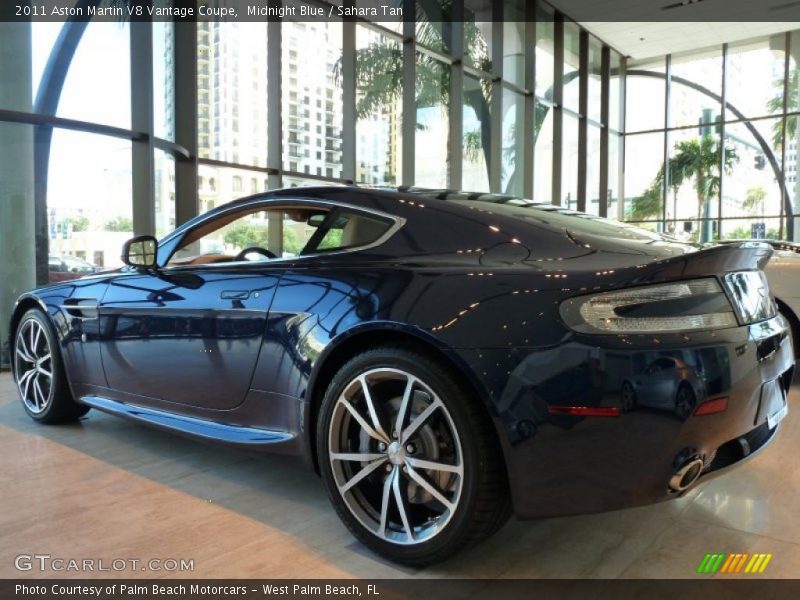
{"x":140,"y":251}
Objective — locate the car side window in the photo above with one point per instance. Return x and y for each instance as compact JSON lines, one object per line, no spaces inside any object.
{"x":298,"y":229}
{"x":274,"y":233}
{"x":666,"y":364}
{"x":351,"y":230}
{"x":256,"y":234}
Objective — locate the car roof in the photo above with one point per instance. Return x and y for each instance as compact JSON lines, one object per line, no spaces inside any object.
{"x":508,"y":213}
{"x":358,"y":195}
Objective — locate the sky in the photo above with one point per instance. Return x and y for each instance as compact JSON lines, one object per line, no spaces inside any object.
{"x":86,"y":169}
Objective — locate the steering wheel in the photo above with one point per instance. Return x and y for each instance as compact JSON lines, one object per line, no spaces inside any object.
{"x":256,"y":250}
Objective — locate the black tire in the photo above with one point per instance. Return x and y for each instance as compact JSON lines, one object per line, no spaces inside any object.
{"x":58,"y":403}
{"x":628,"y":396}
{"x":483,"y":505}
{"x":685,"y":401}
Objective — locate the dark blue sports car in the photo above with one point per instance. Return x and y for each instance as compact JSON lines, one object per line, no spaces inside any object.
{"x":441,"y":359}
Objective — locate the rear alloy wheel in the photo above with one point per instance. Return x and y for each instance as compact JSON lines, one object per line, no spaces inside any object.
{"x":39,"y":374}
{"x":402,"y":458}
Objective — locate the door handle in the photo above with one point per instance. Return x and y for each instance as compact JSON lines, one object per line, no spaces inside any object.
{"x":234,"y":295}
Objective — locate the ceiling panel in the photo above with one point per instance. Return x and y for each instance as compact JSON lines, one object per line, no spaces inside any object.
{"x":645,"y":29}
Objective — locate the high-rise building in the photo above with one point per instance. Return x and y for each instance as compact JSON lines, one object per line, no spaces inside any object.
{"x":312,"y":98}
{"x":233,"y":105}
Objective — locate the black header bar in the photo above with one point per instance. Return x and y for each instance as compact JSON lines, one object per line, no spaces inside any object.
{"x":391,"y":11}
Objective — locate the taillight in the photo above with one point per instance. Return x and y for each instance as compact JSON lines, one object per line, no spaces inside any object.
{"x":669,"y":307}
{"x":750,"y":294}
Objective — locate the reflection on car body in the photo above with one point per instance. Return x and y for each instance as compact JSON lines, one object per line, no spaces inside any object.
{"x":667,"y":383}
{"x":66,"y":267}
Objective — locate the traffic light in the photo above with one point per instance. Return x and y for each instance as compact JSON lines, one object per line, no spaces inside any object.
{"x":709,"y":123}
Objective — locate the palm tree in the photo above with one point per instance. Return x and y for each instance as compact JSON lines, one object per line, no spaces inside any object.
{"x":379,"y":80}
{"x":754,"y":199}
{"x":648,"y":205}
{"x":775,"y":106}
{"x":694,"y":160}
{"x":379,"y":77}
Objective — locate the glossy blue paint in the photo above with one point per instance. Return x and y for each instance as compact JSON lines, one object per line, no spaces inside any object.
{"x":168,"y":328}
{"x":478,"y":283}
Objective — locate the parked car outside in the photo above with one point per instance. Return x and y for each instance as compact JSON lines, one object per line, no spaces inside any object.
{"x":63,"y":267}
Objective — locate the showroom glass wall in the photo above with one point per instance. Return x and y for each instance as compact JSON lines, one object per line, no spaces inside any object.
{"x":704,"y":144}
{"x":86,"y":159}
{"x":423,"y":103}
{"x":103,"y":152}
{"x":388,"y":103}
{"x":484,"y":95}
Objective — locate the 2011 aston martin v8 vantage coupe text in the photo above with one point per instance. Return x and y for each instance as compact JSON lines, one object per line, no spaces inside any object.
{"x":440,"y":358}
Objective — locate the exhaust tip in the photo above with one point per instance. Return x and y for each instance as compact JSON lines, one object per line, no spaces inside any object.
{"x":687,"y":474}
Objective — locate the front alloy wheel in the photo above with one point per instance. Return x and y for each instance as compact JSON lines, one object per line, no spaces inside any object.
{"x":34,"y":366}
{"x":409,"y":457}
{"x":39,"y":372}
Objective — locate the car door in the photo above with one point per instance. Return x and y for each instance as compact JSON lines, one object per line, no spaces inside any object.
{"x":191,"y":331}
{"x":188,"y":335}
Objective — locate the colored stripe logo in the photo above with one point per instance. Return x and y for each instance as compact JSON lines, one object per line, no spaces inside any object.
{"x":734,"y":563}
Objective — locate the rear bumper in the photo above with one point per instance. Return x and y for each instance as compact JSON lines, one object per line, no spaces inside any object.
{"x":562,"y":464}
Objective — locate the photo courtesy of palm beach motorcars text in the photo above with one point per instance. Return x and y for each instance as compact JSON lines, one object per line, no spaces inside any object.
{"x":192,"y":590}
{"x":399,"y":299}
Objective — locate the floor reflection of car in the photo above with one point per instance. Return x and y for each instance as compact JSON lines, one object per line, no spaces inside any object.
{"x":65,"y":267}
{"x":668,"y":384}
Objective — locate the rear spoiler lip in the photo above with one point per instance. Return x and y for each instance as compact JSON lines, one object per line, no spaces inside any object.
{"x":712,"y":261}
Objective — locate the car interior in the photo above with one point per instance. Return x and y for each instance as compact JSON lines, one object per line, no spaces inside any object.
{"x":278,"y":233}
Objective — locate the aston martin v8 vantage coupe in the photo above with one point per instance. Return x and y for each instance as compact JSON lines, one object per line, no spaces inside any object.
{"x":441,"y":359}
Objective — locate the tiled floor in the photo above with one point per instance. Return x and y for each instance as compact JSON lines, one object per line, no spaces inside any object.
{"x":106,"y":489}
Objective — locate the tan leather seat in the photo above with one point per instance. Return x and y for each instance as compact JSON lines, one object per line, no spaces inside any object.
{"x":360,"y":231}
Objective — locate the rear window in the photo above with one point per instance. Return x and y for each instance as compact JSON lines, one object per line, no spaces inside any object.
{"x":566,"y":219}
{"x":557,"y":216}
